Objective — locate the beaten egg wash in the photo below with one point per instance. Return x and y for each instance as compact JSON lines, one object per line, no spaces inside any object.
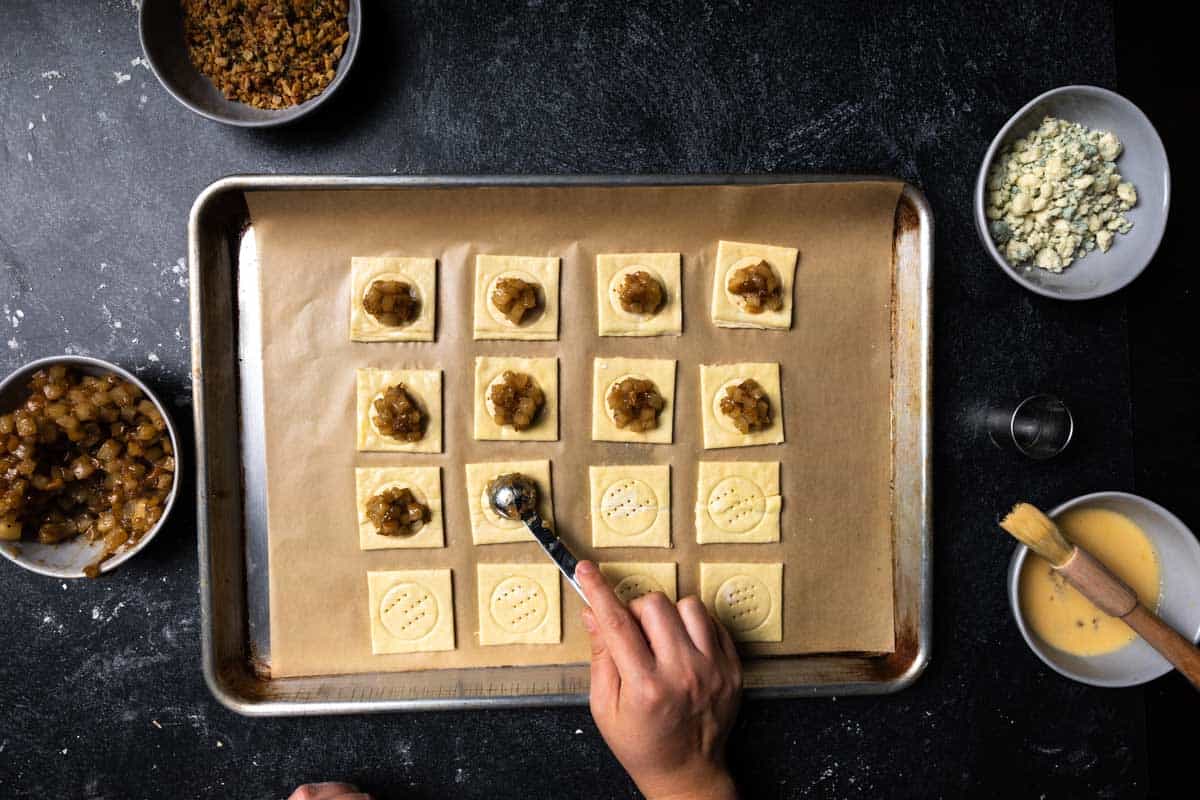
{"x":1064,"y":618}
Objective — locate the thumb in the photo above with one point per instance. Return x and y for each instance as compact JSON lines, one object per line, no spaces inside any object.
{"x":606,"y":681}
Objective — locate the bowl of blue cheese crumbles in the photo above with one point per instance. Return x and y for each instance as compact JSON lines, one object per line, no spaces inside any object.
{"x":1072,"y":197}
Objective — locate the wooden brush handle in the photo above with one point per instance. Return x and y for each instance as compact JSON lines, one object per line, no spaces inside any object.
{"x":1113,"y":597}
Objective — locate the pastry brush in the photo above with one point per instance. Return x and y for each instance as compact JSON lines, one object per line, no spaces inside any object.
{"x":1094,"y":581}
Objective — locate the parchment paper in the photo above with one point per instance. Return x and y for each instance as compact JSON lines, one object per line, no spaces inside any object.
{"x":835,"y":368}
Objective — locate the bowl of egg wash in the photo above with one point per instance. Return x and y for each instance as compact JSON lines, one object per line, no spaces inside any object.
{"x":1140,"y":542}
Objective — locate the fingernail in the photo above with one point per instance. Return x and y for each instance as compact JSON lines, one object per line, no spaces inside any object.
{"x":585,"y":568}
{"x":588,"y":621}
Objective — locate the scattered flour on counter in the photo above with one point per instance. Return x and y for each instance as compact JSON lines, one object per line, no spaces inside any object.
{"x":122,"y":77}
{"x":152,"y":357}
{"x":51,"y":74}
{"x":140,"y":62}
{"x":30,"y":126}
{"x":13,"y":344}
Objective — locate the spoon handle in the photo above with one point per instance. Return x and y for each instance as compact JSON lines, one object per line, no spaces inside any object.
{"x":555,"y":548}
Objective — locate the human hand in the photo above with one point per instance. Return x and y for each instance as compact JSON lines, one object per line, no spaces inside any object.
{"x":328,"y":791}
{"x":666,"y":680}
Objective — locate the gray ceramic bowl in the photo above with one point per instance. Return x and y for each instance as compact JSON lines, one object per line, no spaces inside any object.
{"x":1179,"y":601}
{"x":68,"y":559}
{"x":1143,"y":162}
{"x":160,"y":26}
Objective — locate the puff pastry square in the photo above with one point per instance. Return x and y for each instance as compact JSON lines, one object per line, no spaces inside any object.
{"x":490,"y":323}
{"x":746,"y":598}
{"x":631,"y":505}
{"x":737,"y":501}
{"x":630,"y":580}
{"x":731,"y":256}
{"x":412,"y":611}
{"x":608,"y":371}
{"x":519,"y":604}
{"x":719,"y":430}
{"x":420,"y":273}
{"x":611,"y":269}
{"x":544,"y":371}
{"x":488,"y":527}
{"x":426,"y":485}
{"x":423,"y":385}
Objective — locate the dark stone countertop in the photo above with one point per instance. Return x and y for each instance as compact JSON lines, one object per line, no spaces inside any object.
{"x":102,"y":696}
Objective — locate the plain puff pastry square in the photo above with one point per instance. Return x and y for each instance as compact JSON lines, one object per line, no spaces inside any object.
{"x":519,"y":604}
{"x":631,"y":505}
{"x":412,"y":611}
{"x":608,"y":371}
{"x":424,"y":386}
{"x":420,"y":273}
{"x":488,"y":527}
{"x":631,"y":580}
{"x":737,"y":501}
{"x":746,"y":598}
{"x":731,"y":256}
{"x":611,"y":269}
{"x":490,"y":323}
{"x":426,"y":485}
{"x":719,"y":430}
{"x":544,"y":371}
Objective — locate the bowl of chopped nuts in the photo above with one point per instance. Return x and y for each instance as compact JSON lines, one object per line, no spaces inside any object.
{"x":88,"y":470}
{"x":1072,"y":196}
{"x":250,"y":63}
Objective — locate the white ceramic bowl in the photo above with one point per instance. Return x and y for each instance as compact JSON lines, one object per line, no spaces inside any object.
{"x":1179,"y":603}
{"x":68,"y":559}
{"x":1143,"y":162}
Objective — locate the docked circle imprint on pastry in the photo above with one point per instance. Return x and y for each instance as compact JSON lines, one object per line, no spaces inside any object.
{"x":736,"y":504}
{"x":629,"y":506}
{"x":490,"y":513}
{"x":519,"y":604}
{"x":635,"y":586}
{"x":530,"y":317}
{"x":743,"y":603}
{"x":614,"y":287}
{"x":408,"y":611}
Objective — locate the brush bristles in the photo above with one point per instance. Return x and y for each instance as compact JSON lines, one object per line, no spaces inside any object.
{"x":1037,"y":531}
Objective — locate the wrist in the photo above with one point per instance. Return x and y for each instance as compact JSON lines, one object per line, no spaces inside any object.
{"x":712,"y":782}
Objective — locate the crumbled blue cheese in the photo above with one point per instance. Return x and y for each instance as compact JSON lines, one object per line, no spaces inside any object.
{"x":1055,"y":195}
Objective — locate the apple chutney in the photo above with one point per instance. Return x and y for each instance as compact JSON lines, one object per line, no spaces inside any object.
{"x":397,"y":415}
{"x":83,"y":455}
{"x":516,"y":400}
{"x":747,"y":406}
{"x":757,"y":287}
{"x":641,"y":293}
{"x":635,"y":404}
{"x":392,"y":303}
{"x":516,"y":299}
{"x":397,"y":512}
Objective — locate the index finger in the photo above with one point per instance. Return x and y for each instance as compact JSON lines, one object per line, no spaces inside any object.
{"x":622,"y":635}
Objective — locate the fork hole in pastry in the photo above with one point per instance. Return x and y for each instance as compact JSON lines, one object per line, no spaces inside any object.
{"x":519,"y":604}
{"x":629,"y":506}
{"x":397,"y":413}
{"x":633,"y":403}
{"x":398,"y":511}
{"x":516,"y":298}
{"x":743,"y":603}
{"x":736,"y":504}
{"x":393,"y":301}
{"x":632,"y":587}
{"x":753,"y":286}
{"x":408,"y":611}
{"x":742,"y":406}
{"x":514,"y":399}
{"x":637,"y":293}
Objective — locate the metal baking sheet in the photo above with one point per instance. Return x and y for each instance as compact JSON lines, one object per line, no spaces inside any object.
{"x":231,"y":479}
